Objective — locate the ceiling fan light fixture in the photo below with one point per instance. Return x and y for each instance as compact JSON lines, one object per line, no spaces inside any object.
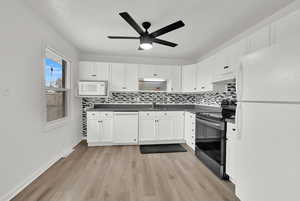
{"x":146,"y":46}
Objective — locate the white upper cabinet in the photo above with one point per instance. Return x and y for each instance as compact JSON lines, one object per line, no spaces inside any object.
{"x":117,"y":77}
{"x":154,"y":71}
{"x":259,"y":40}
{"x":204,"y":75}
{"x":227,"y":61}
{"x":286,"y":28}
{"x":124,"y":77}
{"x":131,"y":76}
{"x":189,"y":78}
{"x":175,"y":80}
{"x":93,"y":71}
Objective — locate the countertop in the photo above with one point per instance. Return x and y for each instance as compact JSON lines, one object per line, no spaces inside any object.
{"x":148,"y":107}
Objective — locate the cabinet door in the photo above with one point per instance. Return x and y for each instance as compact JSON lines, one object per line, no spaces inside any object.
{"x":93,"y":134}
{"x":126,"y":127}
{"x":106,"y":128}
{"x":86,"y":71}
{"x":286,"y":28}
{"x":162,"y":71}
{"x":101,"y":70}
{"x":146,"y":71}
{"x":175,"y":80}
{"x":147,"y":129}
{"x":204,"y":76}
{"x":179,"y":126}
{"x":117,"y":77}
{"x":165,"y":128}
{"x":131,"y":77}
{"x":230,"y":150}
{"x":259,"y":40}
{"x":189,"y":78}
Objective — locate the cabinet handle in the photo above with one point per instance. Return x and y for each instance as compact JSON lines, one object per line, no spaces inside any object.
{"x":202,"y":87}
{"x":225,"y":67}
{"x":195,"y":88}
{"x":154,"y":74}
{"x":93,"y":75}
{"x":233,"y":129}
{"x":123,"y":87}
{"x":99,"y":121}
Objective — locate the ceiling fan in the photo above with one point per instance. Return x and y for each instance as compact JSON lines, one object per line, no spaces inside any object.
{"x":146,"y":38}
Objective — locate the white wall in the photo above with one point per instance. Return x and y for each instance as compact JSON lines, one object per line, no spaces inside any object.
{"x":25,"y":146}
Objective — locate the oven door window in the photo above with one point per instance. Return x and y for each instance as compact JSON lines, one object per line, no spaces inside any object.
{"x":209,"y":138}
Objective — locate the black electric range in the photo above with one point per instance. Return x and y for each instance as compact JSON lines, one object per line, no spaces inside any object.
{"x":210,"y":138}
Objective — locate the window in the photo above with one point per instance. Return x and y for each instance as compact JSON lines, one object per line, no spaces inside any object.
{"x":56,"y":86}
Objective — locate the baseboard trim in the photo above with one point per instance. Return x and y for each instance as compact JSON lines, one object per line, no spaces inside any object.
{"x":15,"y":191}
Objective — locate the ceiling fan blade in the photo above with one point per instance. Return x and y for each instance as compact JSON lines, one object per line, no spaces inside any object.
{"x":122,"y":37}
{"x":164,"y":42}
{"x":171,"y":27}
{"x":132,"y":23}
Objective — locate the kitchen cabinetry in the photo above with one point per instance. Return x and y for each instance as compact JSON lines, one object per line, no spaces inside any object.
{"x":259,"y":40}
{"x":124,"y":77}
{"x":189,"y":78}
{"x":204,"y":75}
{"x":286,"y":28}
{"x":99,"y":128}
{"x":227,"y":61}
{"x":175,"y":80}
{"x":161,"y":127}
{"x":154,"y":71}
{"x":93,"y":71}
{"x":230,"y":151}
{"x":190,"y":129}
{"x":125,"y":127}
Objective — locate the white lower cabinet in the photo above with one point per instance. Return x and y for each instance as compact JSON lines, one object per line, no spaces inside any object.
{"x":100,"y":127}
{"x":230,"y":151}
{"x":158,"y":127}
{"x":190,"y":129}
{"x":123,"y":128}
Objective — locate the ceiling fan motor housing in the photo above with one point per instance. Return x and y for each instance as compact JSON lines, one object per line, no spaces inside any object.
{"x":146,"y":25}
{"x":146,"y":39}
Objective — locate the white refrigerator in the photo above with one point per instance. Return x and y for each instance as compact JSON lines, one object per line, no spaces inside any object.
{"x":268,"y":122}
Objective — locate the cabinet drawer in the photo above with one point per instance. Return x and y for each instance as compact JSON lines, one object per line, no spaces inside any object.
{"x":147,"y":114}
{"x":106,"y":114}
{"x":92,"y":115}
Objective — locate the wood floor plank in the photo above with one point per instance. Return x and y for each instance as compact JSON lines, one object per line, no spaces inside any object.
{"x":122,"y":173}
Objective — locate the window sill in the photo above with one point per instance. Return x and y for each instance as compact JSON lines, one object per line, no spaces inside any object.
{"x":56,"y":124}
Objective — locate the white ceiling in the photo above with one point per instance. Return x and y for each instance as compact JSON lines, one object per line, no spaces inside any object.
{"x":209,"y":23}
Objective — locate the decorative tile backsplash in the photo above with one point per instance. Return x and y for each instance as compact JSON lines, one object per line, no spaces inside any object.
{"x":204,"y":98}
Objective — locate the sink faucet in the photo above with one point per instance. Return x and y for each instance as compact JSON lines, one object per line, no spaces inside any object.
{"x":154,"y":105}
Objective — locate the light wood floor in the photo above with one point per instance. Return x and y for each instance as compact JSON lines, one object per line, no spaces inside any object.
{"x":121,"y":173}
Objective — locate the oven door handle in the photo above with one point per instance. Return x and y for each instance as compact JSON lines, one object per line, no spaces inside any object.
{"x":219,"y":126}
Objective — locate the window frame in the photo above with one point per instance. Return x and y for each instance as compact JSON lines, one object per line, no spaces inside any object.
{"x":49,"y":125}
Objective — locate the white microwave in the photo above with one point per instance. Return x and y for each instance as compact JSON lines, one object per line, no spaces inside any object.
{"x":93,"y":88}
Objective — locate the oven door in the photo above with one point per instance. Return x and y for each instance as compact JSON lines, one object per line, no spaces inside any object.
{"x":211,"y":144}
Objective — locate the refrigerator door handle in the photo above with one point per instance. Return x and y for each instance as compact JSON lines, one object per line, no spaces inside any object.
{"x":239,"y":120}
{"x":239,"y":81}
